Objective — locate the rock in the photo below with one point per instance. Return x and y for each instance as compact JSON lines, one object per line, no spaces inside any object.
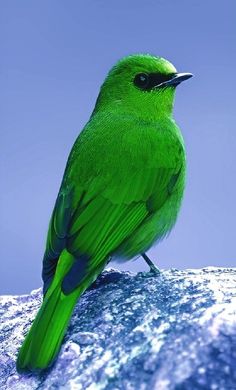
{"x":135,"y":332}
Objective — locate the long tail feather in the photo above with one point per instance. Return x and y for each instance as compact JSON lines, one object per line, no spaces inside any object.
{"x":44,"y":339}
{"x":45,"y":336}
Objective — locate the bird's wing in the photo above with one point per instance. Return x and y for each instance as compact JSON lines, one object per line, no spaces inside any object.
{"x":104,"y":218}
{"x":101,"y":205}
{"x":120,"y":203}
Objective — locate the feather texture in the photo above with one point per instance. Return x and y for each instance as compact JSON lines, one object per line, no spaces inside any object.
{"x":121,"y":191}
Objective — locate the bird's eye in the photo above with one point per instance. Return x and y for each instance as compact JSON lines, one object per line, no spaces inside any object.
{"x":141,"y":80}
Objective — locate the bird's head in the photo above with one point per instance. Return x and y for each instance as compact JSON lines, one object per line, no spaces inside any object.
{"x":142,"y":85}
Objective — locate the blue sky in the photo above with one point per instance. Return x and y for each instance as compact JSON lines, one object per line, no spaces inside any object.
{"x":54,"y":57}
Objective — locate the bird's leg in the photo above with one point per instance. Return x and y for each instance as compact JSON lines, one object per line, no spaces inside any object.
{"x":153,"y":269}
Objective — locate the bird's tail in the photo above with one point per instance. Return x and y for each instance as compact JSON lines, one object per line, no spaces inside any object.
{"x":44,"y":339}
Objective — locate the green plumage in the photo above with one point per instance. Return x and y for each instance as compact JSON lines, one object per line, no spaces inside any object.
{"x":121,"y":193}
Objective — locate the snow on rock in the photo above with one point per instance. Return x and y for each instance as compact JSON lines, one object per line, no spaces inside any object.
{"x":135,"y":332}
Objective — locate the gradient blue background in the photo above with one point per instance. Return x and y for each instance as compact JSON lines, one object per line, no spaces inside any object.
{"x":54,"y":57}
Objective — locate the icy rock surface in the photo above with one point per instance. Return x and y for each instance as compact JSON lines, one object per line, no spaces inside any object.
{"x":135,"y":332}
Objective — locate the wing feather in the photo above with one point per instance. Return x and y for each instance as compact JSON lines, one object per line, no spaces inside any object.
{"x":99,"y":206}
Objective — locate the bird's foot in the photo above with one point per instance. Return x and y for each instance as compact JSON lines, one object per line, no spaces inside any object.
{"x":154,"y":271}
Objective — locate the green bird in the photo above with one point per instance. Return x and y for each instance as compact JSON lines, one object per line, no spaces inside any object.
{"x":120,"y":193}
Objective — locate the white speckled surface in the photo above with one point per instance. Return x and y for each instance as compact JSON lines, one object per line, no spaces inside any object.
{"x":135,"y":332}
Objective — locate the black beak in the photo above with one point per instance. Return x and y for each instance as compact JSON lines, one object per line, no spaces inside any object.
{"x":176,"y":79}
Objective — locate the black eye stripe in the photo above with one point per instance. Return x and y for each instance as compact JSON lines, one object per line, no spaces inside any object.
{"x":147,"y":81}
